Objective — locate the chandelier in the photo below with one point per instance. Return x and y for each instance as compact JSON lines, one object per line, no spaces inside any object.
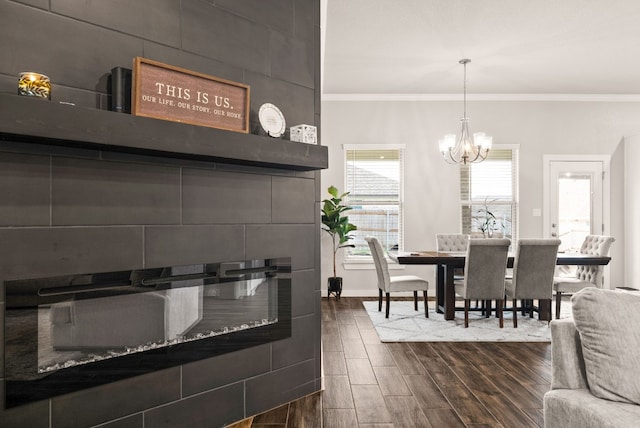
{"x":467,"y":149}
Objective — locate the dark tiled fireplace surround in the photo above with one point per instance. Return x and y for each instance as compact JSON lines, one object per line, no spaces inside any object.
{"x":94,"y":191}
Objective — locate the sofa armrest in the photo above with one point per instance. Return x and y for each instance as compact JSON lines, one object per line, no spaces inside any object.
{"x":568,"y":369}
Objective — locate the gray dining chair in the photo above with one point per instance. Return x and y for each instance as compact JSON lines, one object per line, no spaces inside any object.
{"x":388,"y":284}
{"x":484,"y":273}
{"x":533,"y":269}
{"x":455,"y":242}
{"x":586,"y":276}
{"x":451,"y":242}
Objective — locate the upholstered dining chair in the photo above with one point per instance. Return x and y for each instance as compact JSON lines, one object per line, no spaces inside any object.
{"x":484,"y":272}
{"x":388,"y":284}
{"x":451,"y":242}
{"x":455,"y":242}
{"x":533,"y":269}
{"x":586,"y":276}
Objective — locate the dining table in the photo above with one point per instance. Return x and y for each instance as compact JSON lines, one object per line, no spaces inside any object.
{"x":448,"y":261}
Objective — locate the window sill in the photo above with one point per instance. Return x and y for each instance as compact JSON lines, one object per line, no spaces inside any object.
{"x":366,"y":263}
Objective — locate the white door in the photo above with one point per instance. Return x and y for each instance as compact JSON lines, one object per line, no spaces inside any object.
{"x":576,"y":206}
{"x":575,"y":201}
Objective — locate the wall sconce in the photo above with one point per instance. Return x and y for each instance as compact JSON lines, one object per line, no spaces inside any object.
{"x":34,"y":85}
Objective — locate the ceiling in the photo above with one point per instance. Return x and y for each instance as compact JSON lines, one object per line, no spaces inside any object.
{"x":518,"y":48}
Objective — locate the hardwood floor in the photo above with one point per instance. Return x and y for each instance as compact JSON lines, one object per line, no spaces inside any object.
{"x":441,"y":384}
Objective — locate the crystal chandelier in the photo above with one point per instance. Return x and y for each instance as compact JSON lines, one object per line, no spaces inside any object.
{"x":467,"y":149}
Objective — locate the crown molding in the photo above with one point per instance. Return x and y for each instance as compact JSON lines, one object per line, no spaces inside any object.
{"x":601,"y":98}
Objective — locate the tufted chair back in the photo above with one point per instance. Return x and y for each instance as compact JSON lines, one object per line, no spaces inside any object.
{"x":382,"y":267}
{"x":451,"y":242}
{"x":596,"y":245}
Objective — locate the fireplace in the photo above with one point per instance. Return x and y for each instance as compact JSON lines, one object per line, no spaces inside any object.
{"x":67,"y":333}
{"x":93,"y":194}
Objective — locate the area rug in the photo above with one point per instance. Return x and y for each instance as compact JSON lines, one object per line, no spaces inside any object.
{"x":406,"y":325}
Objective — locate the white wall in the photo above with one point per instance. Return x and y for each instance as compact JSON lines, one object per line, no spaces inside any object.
{"x":431,"y":185}
{"x":632,"y":211}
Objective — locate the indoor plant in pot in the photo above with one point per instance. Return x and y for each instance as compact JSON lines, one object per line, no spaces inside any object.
{"x":338,"y":227}
{"x":487,"y":221}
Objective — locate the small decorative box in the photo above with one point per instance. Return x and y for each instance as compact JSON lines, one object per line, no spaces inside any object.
{"x":303,"y":134}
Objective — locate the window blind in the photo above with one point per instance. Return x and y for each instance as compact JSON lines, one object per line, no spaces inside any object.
{"x":374,"y":182}
{"x":490,"y":185}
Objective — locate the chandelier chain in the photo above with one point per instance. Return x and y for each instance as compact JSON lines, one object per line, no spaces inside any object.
{"x":464,"y":86}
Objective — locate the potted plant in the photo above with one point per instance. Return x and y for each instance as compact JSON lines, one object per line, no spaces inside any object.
{"x":488,"y":223}
{"x":337,"y":225}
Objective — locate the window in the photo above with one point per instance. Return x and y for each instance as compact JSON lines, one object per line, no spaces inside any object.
{"x":489,"y":195}
{"x":374,"y":180}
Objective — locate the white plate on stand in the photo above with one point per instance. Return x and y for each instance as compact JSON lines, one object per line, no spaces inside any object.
{"x":272,"y":120}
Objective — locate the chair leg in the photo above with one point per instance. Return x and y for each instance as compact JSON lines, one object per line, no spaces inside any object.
{"x":466,"y":312}
{"x":387,"y":312}
{"x":499,"y":311}
{"x":487,"y":305}
{"x":531,"y":308}
{"x":515,"y":313}
{"x":426,"y":303}
{"x":558,"y":301}
{"x":379,"y":300}
{"x":415,"y":300}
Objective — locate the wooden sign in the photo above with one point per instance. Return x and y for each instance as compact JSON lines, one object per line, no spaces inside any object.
{"x":171,"y":93}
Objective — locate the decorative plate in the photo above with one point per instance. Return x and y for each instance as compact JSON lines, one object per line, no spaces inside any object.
{"x":272,"y":120}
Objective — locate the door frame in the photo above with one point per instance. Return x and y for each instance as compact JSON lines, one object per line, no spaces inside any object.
{"x":606,"y":194}
{"x":606,"y":187}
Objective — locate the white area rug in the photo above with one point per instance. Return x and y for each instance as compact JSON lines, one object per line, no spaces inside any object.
{"x":406,"y":325}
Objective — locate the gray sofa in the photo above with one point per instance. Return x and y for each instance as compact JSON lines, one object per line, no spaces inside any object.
{"x":596,"y":363}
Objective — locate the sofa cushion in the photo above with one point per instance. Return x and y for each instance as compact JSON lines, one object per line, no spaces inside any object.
{"x":609,"y":327}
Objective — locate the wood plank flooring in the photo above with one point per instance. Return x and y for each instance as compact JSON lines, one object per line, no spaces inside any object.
{"x":392,"y":385}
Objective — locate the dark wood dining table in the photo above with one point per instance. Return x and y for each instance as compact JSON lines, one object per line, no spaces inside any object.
{"x":447,"y":262}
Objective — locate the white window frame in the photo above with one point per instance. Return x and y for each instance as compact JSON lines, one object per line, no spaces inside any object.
{"x":351,"y":262}
{"x":515,"y":227}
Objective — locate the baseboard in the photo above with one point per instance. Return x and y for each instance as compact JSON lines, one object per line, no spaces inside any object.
{"x":372,"y":293}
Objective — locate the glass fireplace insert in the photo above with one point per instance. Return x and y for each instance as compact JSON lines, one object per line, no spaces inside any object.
{"x":67,"y":333}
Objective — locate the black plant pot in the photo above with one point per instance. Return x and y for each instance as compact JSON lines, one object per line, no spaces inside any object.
{"x":335,"y":286}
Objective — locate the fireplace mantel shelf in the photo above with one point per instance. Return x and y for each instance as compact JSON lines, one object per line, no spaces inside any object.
{"x":34,"y":120}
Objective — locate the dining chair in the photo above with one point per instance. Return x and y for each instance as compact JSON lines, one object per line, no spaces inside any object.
{"x":388,"y":284}
{"x":451,"y":242}
{"x":456,"y":242}
{"x":533,"y":269}
{"x":586,"y":276}
{"x":484,"y":273}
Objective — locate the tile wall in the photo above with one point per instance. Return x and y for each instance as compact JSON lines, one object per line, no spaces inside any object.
{"x":66,"y":210}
